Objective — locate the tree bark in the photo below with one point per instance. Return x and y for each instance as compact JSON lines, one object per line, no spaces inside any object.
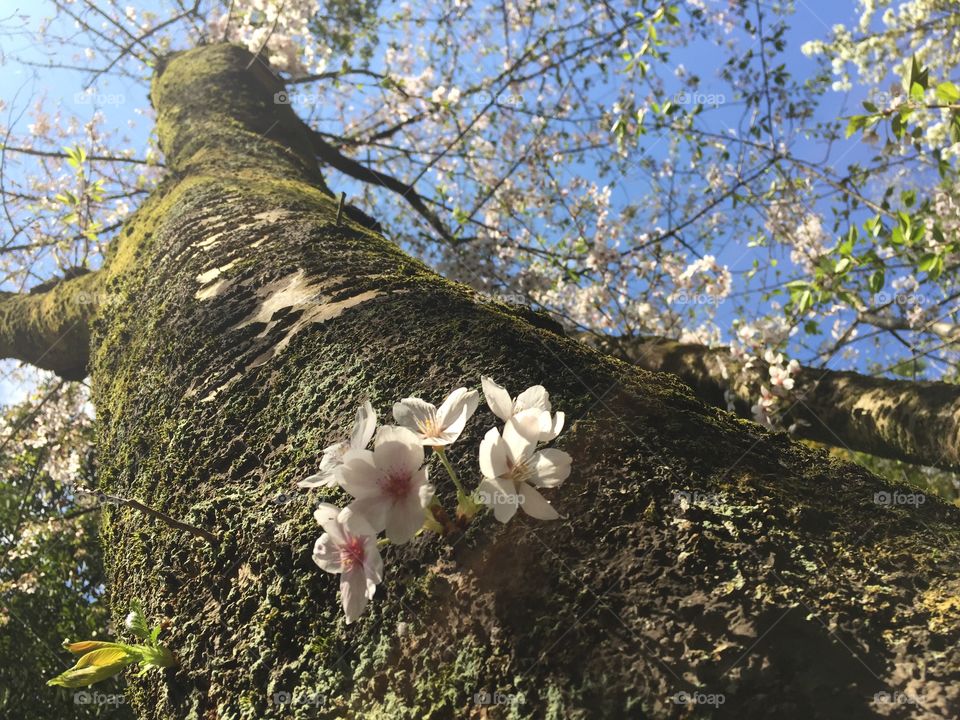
{"x":49,"y":327}
{"x":697,"y":554}
{"x":913,"y":421}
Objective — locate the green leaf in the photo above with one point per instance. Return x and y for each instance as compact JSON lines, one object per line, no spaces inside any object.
{"x":948,"y":93}
{"x":95,"y":666}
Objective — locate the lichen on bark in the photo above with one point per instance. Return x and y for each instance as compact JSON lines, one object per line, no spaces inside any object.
{"x":697,"y":552}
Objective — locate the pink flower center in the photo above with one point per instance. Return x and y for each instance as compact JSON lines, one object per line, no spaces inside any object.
{"x":352,"y":553}
{"x":396,"y":484}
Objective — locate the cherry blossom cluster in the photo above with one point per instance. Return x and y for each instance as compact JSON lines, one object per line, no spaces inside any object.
{"x":766,"y":410}
{"x":390,"y":487}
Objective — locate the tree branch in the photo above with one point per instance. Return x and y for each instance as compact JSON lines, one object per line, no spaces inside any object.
{"x":913,"y":421}
{"x":49,"y":327}
{"x":947,"y":331}
{"x":335,"y":159}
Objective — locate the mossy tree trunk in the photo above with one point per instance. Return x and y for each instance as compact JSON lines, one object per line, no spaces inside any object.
{"x":698,"y":553}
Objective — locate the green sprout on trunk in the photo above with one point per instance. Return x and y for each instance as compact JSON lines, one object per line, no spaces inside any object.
{"x":101,"y":660}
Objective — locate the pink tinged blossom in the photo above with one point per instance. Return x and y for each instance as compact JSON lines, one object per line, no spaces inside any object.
{"x":513,"y":470}
{"x":535,"y":397}
{"x":354,"y":556}
{"x":389,"y":486}
{"x":363,"y":427}
{"x":434,"y":426}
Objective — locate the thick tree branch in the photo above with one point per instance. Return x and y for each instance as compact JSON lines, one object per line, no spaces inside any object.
{"x":917,"y":422}
{"x":49,"y":327}
{"x":945,"y":330}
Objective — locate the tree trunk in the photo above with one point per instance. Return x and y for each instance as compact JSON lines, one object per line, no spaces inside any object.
{"x":913,"y":421}
{"x":698,"y":554}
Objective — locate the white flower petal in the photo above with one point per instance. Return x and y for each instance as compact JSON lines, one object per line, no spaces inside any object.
{"x":452,"y":431}
{"x":327,"y":516}
{"x":535,"y":397}
{"x":521,"y":434}
{"x":359,"y":474}
{"x":461,"y":398}
{"x":414,"y":414}
{"x":498,"y":399}
{"x":397,"y":449}
{"x":353,"y":593}
{"x":363,"y":426}
{"x":326,"y":554}
{"x":500,"y":496}
{"x":366,"y":516}
{"x":404,"y":519}
{"x":493,"y":455}
{"x":426,"y":492}
{"x":373,"y":563}
{"x":550,"y":427}
{"x":535,"y":505}
{"x":325,"y":478}
{"x":550,"y":467}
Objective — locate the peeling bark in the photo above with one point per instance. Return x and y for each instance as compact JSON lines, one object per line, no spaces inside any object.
{"x":913,"y":421}
{"x":698,"y":553}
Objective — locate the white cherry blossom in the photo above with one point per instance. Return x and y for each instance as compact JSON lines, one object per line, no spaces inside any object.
{"x":534,"y":397}
{"x":351,"y":554}
{"x":512,"y":470}
{"x":363,"y":427}
{"x":389,"y":485}
{"x":434,"y":426}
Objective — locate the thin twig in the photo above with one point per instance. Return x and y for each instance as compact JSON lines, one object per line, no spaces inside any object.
{"x":210,"y":537}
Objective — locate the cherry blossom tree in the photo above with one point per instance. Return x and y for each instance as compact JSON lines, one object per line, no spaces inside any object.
{"x":234,"y":309}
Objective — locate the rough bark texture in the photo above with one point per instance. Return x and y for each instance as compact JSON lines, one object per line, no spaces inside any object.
{"x":49,"y":327}
{"x":698,"y":553}
{"x":917,"y":422}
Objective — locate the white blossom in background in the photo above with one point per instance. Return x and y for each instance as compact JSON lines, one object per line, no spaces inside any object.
{"x":363,"y":428}
{"x":765,"y":408}
{"x":280,"y":31}
{"x":355,"y":557}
